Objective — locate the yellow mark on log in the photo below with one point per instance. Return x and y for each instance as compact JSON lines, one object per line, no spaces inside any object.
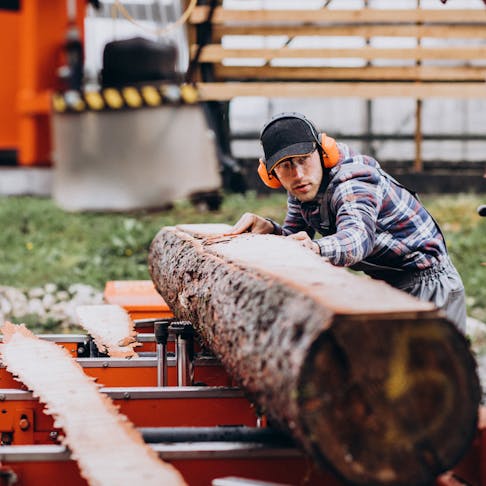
{"x":402,"y":380}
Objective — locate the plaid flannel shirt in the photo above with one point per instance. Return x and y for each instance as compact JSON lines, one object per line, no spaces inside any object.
{"x":375,"y":220}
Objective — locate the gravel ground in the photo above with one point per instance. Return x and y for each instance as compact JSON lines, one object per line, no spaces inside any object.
{"x":48,"y":304}
{"x":53,"y":305}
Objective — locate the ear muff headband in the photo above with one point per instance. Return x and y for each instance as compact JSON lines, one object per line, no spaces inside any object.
{"x":292,"y":114}
{"x":330,"y":151}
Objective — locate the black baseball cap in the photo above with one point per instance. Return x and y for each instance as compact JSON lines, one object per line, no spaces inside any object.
{"x":287,"y":136}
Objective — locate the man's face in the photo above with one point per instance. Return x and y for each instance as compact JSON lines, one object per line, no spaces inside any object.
{"x":301,"y":176}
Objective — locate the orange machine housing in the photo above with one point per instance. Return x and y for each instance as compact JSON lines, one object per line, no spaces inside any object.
{"x":32,"y":41}
{"x":138,"y":297}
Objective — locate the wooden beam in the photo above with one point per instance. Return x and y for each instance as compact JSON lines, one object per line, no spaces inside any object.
{"x":366,"y":73}
{"x":107,"y":447}
{"x":434,"y":31}
{"x":366,"y":378}
{"x":414,"y":90}
{"x":311,"y":16}
{"x":216,"y":53}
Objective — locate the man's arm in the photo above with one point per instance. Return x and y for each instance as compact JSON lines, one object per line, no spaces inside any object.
{"x":356,"y":203}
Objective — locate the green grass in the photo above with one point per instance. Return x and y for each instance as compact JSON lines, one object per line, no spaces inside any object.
{"x":40,"y":243}
{"x":465,"y":234}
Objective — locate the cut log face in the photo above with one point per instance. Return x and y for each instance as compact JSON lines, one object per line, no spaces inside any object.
{"x":371,"y":381}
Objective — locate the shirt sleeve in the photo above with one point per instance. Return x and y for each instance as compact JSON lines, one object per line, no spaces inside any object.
{"x":356,"y":200}
{"x":294,"y":222}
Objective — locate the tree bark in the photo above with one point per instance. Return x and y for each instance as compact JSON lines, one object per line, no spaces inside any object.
{"x":370,"y":381}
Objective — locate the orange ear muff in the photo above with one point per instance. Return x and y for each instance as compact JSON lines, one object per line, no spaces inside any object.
{"x":268,"y":179}
{"x":331,"y":151}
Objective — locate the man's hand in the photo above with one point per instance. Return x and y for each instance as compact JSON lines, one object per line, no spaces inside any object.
{"x":304,"y":239}
{"x":252,"y":223}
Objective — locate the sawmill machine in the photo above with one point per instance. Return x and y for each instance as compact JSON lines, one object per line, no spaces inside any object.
{"x":224,"y":370}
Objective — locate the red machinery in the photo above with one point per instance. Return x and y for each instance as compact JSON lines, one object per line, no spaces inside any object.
{"x":33,"y":48}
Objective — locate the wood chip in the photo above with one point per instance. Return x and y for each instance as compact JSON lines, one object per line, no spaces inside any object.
{"x":111,"y":328}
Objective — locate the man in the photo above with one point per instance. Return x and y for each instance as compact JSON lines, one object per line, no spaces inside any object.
{"x":368,"y":221}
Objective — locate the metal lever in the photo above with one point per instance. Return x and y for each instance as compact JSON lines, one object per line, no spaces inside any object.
{"x":94,"y":352}
{"x":184,"y":334}
{"x":161,"y":330}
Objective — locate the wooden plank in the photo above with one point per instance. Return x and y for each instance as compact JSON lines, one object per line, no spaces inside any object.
{"x":111,"y":328}
{"x":217,"y":53}
{"x":105,"y":444}
{"x":395,"y":16}
{"x":338,"y":360}
{"x":367,"y":73}
{"x":363,"y":295}
{"x":433,"y":31}
{"x":416,"y":90}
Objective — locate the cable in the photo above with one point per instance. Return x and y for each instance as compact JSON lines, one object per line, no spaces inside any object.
{"x":180,"y":21}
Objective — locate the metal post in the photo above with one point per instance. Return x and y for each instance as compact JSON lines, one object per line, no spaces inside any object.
{"x":418,"y":165}
{"x":368,"y":147}
{"x":184,"y":351}
{"x":161,"y":330}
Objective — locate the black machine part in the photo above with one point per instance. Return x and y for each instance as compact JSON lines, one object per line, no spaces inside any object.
{"x":237,"y":433}
{"x":139,"y":60}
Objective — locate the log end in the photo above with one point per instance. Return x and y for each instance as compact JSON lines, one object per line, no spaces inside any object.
{"x":392,"y":404}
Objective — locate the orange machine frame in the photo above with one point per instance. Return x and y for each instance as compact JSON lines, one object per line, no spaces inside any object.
{"x":138,"y":297}
{"x":31,"y":47}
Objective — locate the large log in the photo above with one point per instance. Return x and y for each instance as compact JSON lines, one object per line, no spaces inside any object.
{"x":371,"y":381}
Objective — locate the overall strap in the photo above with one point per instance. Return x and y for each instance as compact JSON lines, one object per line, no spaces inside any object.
{"x":416,"y":196}
{"x":327,"y":225}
